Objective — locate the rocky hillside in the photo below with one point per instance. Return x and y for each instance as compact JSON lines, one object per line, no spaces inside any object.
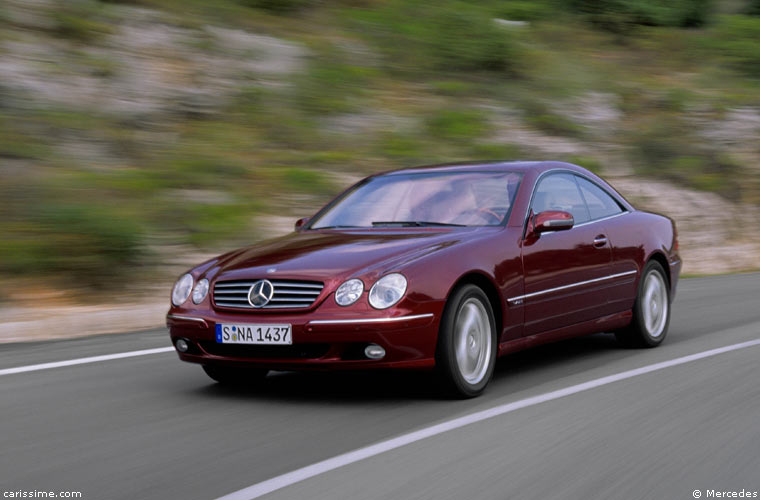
{"x":137,"y":135}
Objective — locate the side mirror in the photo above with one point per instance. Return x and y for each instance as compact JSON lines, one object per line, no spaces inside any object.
{"x":552,"y":220}
{"x":301,"y":222}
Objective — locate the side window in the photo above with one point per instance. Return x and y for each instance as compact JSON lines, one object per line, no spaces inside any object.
{"x":600,"y":203}
{"x":560,"y":192}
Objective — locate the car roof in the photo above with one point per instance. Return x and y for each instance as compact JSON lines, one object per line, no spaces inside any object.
{"x":496,"y":166}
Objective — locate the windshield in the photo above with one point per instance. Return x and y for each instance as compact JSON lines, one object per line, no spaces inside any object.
{"x":425,"y":199}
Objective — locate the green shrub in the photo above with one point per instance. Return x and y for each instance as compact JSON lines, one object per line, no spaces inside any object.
{"x":523,"y":10}
{"x":330,"y":86}
{"x":676,"y":99}
{"x":753,"y":9}
{"x":540,"y":116}
{"x":401,"y":147}
{"x":208,"y":225}
{"x":670,"y":150}
{"x":98,"y":66}
{"x":86,"y":243}
{"x":458,"y":124}
{"x":186,"y":170}
{"x":14,"y":144}
{"x":496,"y":152}
{"x":279,"y":6}
{"x":451,"y":87}
{"x":659,"y":144}
{"x":468,"y":41}
{"x":78,"y":20}
{"x":446,"y":36}
{"x":587,"y":162}
{"x":737,"y":41}
{"x":305,"y":180}
{"x":620,"y":16}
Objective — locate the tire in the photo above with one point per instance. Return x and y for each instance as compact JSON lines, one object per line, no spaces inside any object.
{"x":651,"y":311}
{"x":467,"y":345}
{"x":234,"y":376}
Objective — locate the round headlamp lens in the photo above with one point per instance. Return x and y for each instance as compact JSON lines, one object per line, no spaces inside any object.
{"x":200,"y":291}
{"x":387,"y":291}
{"x":182,"y":290}
{"x":349,"y":292}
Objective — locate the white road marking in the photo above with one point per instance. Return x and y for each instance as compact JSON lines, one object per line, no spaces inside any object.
{"x":83,"y":361}
{"x":260,"y":489}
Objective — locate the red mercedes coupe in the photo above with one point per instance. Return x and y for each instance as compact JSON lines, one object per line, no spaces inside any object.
{"x":444,"y":267}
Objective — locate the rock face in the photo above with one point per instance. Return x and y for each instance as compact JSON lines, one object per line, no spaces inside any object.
{"x":141,"y":65}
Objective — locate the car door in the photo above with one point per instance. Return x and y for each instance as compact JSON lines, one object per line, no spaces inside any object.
{"x":624,"y":242}
{"x":563,"y":270}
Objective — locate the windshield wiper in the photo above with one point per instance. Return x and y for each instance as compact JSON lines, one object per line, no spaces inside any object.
{"x":414,"y":223}
{"x":335,"y":227}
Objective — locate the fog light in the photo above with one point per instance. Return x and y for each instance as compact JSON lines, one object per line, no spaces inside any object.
{"x":374,"y":351}
{"x":182,"y":345}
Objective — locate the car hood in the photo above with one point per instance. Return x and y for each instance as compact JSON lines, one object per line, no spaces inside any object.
{"x":332,"y":255}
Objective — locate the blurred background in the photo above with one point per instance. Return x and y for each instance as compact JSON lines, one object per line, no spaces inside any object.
{"x":138,"y":137}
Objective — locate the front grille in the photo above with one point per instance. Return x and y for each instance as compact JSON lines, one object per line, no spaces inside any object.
{"x":296,"y":351}
{"x":287,"y":294}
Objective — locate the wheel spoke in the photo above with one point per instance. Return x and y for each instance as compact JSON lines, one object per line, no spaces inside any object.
{"x":473,"y":338}
{"x":469,"y":318}
{"x":654,"y":304}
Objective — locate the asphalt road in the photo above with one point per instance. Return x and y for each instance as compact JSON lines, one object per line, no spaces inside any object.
{"x":153,"y":427}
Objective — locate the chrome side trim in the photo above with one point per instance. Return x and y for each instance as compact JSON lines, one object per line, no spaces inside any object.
{"x":368,"y":320}
{"x":519,"y":299}
{"x":603,"y":218}
{"x":186,"y":318}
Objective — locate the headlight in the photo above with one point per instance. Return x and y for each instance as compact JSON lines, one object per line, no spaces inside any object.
{"x":200,"y":291}
{"x":349,"y":292}
{"x":182,"y":290}
{"x":387,"y":291}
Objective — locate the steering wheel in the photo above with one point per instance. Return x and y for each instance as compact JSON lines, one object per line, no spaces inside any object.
{"x":491,"y":212}
{"x":487,"y":213}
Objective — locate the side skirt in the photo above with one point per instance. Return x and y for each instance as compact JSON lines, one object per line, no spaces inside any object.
{"x":605,"y":323}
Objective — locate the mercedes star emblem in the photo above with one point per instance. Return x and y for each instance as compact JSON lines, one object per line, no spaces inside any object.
{"x":260,"y":293}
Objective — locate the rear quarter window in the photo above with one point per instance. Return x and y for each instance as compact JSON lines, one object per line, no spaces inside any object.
{"x":600,"y":203}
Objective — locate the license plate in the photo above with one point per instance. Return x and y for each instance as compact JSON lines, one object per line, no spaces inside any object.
{"x":254,"y":334}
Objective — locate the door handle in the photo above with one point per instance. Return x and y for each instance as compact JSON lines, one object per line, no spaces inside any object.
{"x":600,"y":241}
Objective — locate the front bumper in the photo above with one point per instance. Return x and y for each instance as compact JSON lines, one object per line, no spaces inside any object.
{"x":319,"y":342}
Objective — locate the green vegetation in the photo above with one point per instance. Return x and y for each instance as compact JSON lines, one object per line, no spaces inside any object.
{"x":540,"y":116}
{"x":619,"y":16}
{"x":457,"y":125}
{"x":305,"y":180}
{"x":90,"y":188}
{"x":523,"y":10}
{"x":278,"y":6}
{"x":332,"y":87}
{"x":452,"y":36}
{"x":669,"y":149}
{"x":72,"y":239}
{"x":80,"y":20}
{"x":737,"y":39}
